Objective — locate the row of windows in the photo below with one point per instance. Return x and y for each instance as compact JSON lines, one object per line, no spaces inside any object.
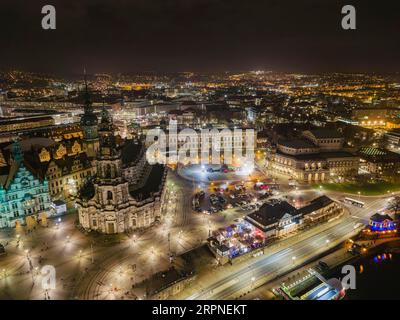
{"x":16,"y":196}
{"x":75,"y":177}
{"x":329,"y":140}
{"x":341,"y":163}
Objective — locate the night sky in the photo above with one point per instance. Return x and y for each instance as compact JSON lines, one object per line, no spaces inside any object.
{"x":200,"y":35}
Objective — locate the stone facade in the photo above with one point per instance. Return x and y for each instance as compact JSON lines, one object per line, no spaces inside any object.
{"x":315,"y":158}
{"x":22,"y":192}
{"x":110,"y":203}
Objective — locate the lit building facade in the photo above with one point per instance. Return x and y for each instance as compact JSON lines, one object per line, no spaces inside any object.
{"x":281,"y":219}
{"x":381,"y":223}
{"x":23,"y":192}
{"x":120,"y":200}
{"x":64,"y":164}
{"x":25,"y":123}
{"x":316,"y":157}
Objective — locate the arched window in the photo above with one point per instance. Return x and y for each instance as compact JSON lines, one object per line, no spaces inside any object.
{"x":109,"y":195}
{"x":108,"y":171}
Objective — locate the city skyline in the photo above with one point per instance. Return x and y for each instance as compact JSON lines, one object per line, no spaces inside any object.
{"x":224,"y":151}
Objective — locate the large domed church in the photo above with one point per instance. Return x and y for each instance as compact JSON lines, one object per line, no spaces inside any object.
{"x":127,"y":192}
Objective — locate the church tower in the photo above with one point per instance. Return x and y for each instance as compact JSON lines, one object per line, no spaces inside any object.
{"x":112,"y":190}
{"x":108,"y":203}
{"x":89,"y":126}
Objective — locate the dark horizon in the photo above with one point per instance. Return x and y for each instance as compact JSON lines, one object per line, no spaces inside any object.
{"x":200,"y":36}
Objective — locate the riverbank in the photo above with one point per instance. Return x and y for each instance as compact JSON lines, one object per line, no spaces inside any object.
{"x":377,"y":273}
{"x":335,"y":259}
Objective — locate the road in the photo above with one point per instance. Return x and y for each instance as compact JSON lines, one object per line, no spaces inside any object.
{"x":110,"y":276}
{"x":257,"y":271}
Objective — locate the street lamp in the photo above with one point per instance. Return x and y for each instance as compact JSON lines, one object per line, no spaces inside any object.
{"x":91,"y":252}
{"x":293,"y":259}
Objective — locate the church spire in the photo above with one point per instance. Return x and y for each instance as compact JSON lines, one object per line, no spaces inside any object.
{"x":88,"y":103}
{"x":88,"y":119}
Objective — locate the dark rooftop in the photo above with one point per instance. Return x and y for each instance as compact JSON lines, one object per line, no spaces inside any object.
{"x":337,"y":154}
{"x":326,"y":134}
{"x":87,"y":191}
{"x":152,"y":185}
{"x":164,"y":279}
{"x":24,"y":119}
{"x":307,"y":156}
{"x":315,"y":205}
{"x":320,"y":156}
{"x":378,"y":155}
{"x":297,"y":143}
{"x":377,"y":217}
{"x":131,"y":151}
{"x":271,"y":213}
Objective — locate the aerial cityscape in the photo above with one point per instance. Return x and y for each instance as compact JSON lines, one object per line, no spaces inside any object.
{"x":162,"y":184}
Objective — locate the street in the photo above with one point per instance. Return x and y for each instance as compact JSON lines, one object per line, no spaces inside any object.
{"x":89,"y":267}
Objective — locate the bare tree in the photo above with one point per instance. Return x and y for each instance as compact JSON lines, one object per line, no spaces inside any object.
{"x":394,"y":205}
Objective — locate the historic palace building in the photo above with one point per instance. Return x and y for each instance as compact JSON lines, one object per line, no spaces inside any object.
{"x":127,"y":193}
{"x":316,"y":156}
{"x":24,"y":192}
{"x":64,"y":164}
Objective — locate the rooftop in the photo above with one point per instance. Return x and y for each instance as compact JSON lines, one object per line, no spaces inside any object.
{"x":315,"y":205}
{"x":377,"y":217}
{"x":164,"y":279}
{"x":378,"y":155}
{"x":131,"y":151}
{"x":394,"y":132}
{"x":152,"y":185}
{"x":297,"y":143}
{"x":325,"y":134}
{"x":271,"y":213}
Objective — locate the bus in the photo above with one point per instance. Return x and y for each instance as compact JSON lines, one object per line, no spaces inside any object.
{"x":354,"y":202}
